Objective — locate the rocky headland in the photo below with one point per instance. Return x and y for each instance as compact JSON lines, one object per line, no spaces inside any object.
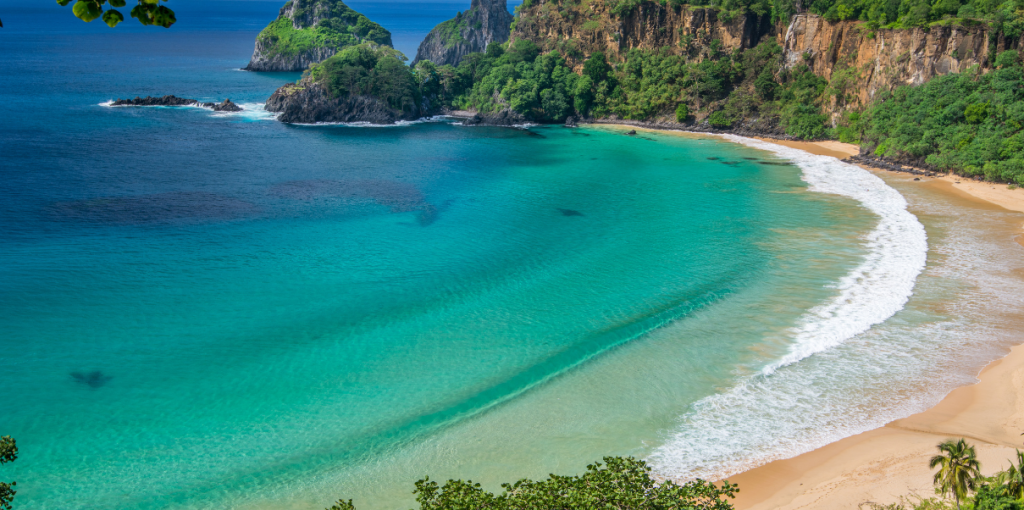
{"x":312,"y":103}
{"x":311,"y":31}
{"x":226,"y":106}
{"x":486,"y":22}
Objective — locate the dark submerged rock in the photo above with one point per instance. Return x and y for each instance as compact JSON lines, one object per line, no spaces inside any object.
{"x":93,"y":379}
{"x":569,"y":212}
{"x":631,"y":132}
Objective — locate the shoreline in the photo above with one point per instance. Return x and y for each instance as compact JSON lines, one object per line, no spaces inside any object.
{"x":889,"y":464}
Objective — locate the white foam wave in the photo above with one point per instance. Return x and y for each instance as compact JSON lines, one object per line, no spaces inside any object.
{"x":361,"y":124}
{"x":250,"y":111}
{"x":884,"y":282}
{"x":777,"y":412}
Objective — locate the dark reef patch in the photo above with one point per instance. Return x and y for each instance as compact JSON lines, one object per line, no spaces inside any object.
{"x":94,"y":379}
{"x":773,"y":163}
{"x":397,"y":196}
{"x":173,"y":207}
{"x":569,"y":212}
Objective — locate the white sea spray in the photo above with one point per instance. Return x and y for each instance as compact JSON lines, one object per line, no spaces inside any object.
{"x":787,"y":408}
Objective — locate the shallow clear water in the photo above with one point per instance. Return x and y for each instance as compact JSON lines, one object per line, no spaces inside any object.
{"x":203,"y":310}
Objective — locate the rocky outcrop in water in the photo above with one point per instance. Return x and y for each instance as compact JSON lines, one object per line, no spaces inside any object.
{"x":485,"y":22}
{"x":503,"y":118}
{"x":226,"y":106}
{"x":311,"y":31}
{"x":310,"y":103}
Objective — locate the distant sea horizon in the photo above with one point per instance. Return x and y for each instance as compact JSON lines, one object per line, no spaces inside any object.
{"x":218,"y":310}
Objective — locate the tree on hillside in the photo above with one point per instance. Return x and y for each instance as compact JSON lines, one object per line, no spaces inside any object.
{"x":619,"y":483}
{"x":1012,"y":480}
{"x":8,"y":453}
{"x":959,"y":469}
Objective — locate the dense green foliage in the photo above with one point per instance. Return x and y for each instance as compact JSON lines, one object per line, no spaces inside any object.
{"x":148,"y":12}
{"x":451,"y":31}
{"x":1006,"y":15}
{"x":620,"y":483}
{"x":959,"y":469}
{"x":8,"y":453}
{"x":341,"y":27}
{"x":971,"y":123}
{"x":368,"y":69}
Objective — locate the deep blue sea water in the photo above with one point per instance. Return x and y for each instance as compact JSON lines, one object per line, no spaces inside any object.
{"x":206,"y":310}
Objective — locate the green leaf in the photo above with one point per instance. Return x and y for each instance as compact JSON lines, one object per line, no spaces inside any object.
{"x":164,"y":17}
{"x":112,"y":18}
{"x":87,"y":10}
{"x":117,"y":3}
{"x":63,"y":3}
{"x":142,"y":13}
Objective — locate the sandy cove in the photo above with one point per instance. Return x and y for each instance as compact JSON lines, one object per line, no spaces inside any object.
{"x":890,"y":463}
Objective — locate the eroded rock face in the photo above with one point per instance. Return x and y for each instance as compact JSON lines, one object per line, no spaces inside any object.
{"x":485,"y":22}
{"x":310,"y":103}
{"x":579,"y":31}
{"x":287,"y":44}
{"x":884,"y":59}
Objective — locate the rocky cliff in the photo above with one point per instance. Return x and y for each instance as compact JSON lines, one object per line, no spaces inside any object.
{"x":871,"y":61}
{"x":858,"y":61}
{"x":578,"y":31}
{"x":485,"y":22}
{"x":310,"y":31}
{"x":311,"y":103}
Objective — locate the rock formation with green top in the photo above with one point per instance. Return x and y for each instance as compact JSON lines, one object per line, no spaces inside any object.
{"x":311,"y":31}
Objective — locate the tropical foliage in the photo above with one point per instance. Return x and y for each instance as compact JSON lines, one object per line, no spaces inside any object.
{"x":368,"y":69}
{"x":148,"y":12}
{"x":971,"y":123}
{"x":959,"y":469}
{"x":8,"y":453}
{"x":619,"y":483}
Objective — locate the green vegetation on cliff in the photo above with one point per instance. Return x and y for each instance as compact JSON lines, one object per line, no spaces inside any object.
{"x":451,"y":30}
{"x":370,"y":70}
{"x":970,"y":123}
{"x":618,"y":484}
{"x":336,"y":26}
{"x":1007,"y":15}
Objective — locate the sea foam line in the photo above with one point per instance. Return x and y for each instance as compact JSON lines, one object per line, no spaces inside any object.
{"x":718,"y":436}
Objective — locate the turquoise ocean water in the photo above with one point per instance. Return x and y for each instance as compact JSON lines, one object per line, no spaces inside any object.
{"x":203,"y":310}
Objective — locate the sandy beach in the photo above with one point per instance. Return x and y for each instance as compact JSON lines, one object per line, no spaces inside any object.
{"x":890,"y":464}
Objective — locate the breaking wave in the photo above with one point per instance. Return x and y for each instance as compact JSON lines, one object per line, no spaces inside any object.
{"x":787,"y":408}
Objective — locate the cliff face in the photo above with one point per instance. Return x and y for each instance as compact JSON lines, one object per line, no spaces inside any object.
{"x":864,"y":62}
{"x":880,"y":60}
{"x":310,"y":31}
{"x":577,"y":32}
{"x":485,"y":22}
{"x":309,"y":102}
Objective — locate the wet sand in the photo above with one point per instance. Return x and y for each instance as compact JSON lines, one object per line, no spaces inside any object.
{"x":890,"y":464}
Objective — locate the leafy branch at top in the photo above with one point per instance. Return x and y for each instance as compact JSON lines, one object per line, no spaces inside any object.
{"x":148,"y":12}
